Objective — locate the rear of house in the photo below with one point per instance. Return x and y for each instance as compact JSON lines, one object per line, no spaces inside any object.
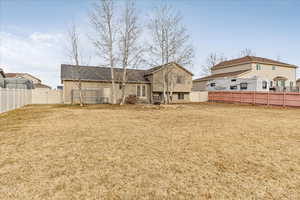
{"x":145,"y":84}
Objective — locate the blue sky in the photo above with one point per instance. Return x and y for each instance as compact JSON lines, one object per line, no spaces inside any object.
{"x":32,"y":31}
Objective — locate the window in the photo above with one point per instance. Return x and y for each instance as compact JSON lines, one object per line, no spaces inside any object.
{"x":141,"y":90}
{"x":180,"y":96}
{"x":179,"y":80}
{"x":264,"y":84}
{"x":212,"y":84}
{"x":271,"y":83}
{"x":144,"y":91}
{"x":233,"y":87}
{"x":258,"y":67}
{"x":138,"y":91}
{"x":244,"y":86}
{"x":273,"y":67}
{"x":291,"y":84}
{"x":233,"y":80}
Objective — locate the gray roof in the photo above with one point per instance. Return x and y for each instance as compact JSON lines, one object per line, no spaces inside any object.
{"x":154,"y":69}
{"x":93,"y":73}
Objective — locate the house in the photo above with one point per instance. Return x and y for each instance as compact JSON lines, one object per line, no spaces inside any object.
{"x":143,"y":83}
{"x":2,"y":75}
{"x":277,"y":74}
{"x":37,"y":83}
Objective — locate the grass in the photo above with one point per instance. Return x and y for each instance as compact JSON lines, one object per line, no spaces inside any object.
{"x":193,"y":151}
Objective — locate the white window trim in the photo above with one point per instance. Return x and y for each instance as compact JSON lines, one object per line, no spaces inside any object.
{"x":141,"y":88}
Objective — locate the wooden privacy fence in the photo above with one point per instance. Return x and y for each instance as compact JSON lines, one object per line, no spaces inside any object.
{"x":262,"y":98}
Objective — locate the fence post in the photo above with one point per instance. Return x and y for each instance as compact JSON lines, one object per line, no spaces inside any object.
{"x":7,"y":99}
{"x":268,"y":100}
{"x":254,"y":97}
{"x":283,"y":99}
{"x":240,"y":97}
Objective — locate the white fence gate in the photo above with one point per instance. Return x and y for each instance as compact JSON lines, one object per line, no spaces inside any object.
{"x":11,"y":99}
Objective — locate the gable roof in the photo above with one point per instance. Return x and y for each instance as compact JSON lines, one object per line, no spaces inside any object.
{"x":14,"y":75}
{"x":250,"y":59}
{"x":228,"y":74}
{"x":157,"y":68}
{"x":94,"y":73}
{"x":40,"y":85}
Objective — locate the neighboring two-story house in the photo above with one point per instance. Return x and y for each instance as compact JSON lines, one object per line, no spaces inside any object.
{"x":2,"y":75}
{"x":277,"y":74}
{"x":37,"y":83}
{"x":143,"y":83}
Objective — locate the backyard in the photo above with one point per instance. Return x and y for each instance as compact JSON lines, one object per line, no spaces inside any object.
{"x":192,"y":151}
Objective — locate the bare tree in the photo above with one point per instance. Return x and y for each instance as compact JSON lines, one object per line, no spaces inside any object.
{"x":247,"y":52}
{"x":74,"y":54}
{"x":212,"y":60}
{"x":130,"y":50}
{"x":169,"y":42}
{"x":102,"y":19}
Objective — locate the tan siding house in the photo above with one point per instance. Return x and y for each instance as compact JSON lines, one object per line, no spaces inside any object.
{"x":278,"y":74}
{"x":142,"y":83}
{"x":36,"y":81}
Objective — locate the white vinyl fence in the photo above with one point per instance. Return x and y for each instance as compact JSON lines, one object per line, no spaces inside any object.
{"x":197,"y":96}
{"x":42,"y":96}
{"x":11,"y":99}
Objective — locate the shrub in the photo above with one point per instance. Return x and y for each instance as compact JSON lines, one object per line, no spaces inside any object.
{"x":131,"y":99}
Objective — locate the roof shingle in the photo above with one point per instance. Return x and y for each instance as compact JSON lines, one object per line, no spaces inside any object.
{"x":93,"y":73}
{"x":228,"y":74}
{"x":250,"y":59}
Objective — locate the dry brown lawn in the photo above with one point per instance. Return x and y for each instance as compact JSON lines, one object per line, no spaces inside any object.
{"x":201,"y":151}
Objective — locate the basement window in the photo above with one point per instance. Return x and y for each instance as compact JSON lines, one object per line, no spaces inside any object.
{"x":233,"y":87}
{"x":180,"y":96}
{"x":264,"y":84}
{"x":244,"y":86}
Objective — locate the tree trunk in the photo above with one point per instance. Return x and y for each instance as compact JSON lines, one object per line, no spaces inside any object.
{"x":123,"y":86}
{"x":80,"y":93}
